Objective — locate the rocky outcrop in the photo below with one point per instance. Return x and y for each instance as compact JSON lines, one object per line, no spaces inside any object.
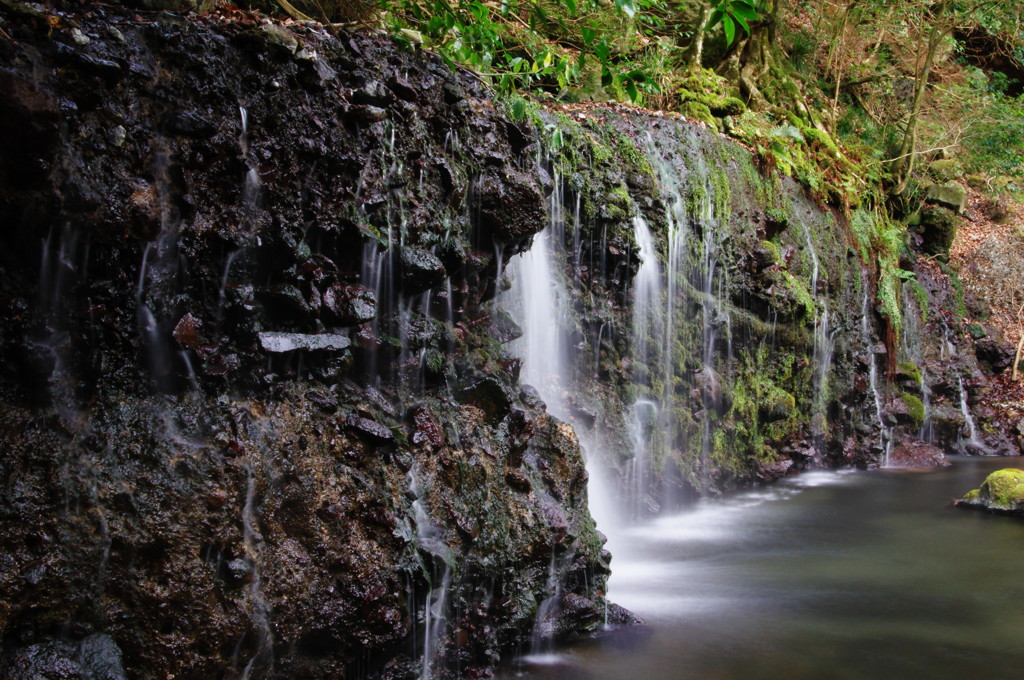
{"x":253,"y":424}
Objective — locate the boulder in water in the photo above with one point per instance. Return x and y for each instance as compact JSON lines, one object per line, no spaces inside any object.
{"x":1002,"y":492}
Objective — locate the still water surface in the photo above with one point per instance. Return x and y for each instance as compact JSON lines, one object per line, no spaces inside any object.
{"x":848,"y":575}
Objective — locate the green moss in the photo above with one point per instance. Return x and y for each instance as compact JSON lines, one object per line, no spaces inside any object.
{"x":910,"y":370}
{"x":920,"y":296}
{"x":976,"y":330}
{"x":699,"y":112}
{"x":915,"y":408}
{"x":972,"y":495}
{"x":1004,"y":488}
{"x":816,"y":136}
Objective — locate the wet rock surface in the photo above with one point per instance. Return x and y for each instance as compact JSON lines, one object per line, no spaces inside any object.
{"x":240,"y":274}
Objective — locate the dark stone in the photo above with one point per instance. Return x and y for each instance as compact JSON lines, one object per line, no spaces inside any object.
{"x":511,"y":205}
{"x":187,"y":332}
{"x":374,"y":93}
{"x":54,"y":660}
{"x":994,"y":355}
{"x":100,"y":658}
{"x":371,"y":430}
{"x":620,"y":616}
{"x":938,"y":229}
{"x":421,"y":270}
{"x":189,"y":124}
{"x":503,"y":328}
{"x":489,"y":395}
{"x":349,"y":305}
{"x":403,"y":88}
{"x":426,"y":429}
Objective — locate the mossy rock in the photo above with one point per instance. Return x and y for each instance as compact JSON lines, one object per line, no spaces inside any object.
{"x":1002,"y":491}
{"x":909,"y":370}
{"x":914,"y":409}
{"x":700,"y":112}
{"x":938,"y":226}
{"x":949,"y":195}
{"x":977,"y":331}
{"x":944,"y":170}
{"x":816,"y":136}
{"x":777,"y":405}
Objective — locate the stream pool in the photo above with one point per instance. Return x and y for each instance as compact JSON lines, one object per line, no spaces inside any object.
{"x":838,"y":575}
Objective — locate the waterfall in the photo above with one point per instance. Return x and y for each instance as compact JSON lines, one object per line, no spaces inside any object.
{"x":824,"y":346}
{"x":648,"y":332}
{"x":973,"y":442}
{"x":885,"y":435}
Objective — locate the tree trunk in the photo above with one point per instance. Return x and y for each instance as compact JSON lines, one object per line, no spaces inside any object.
{"x":905,"y":159}
{"x":695,"y":52}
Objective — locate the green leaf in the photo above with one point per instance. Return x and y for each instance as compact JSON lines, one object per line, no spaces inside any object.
{"x":588,"y":35}
{"x":518,"y":109}
{"x":715,"y":17}
{"x":742,"y":9}
{"x":742,"y":22}
{"x":571,"y":6}
{"x":730,"y":29}
{"x":606,"y":77}
{"x":631,"y":91}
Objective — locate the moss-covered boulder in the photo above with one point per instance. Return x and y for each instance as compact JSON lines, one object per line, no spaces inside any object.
{"x":1002,"y":491}
{"x":938,"y":226}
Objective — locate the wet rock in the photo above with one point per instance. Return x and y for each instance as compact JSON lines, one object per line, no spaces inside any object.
{"x":421,"y":270}
{"x":374,"y":93}
{"x":994,"y":355}
{"x":187,"y":332}
{"x":911,"y":452}
{"x":403,"y":88}
{"x":503,"y":328}
{"x":489,"y":395}
{"x":349,"y":305}
{"x":620,"y":616}
{"x":1001,"y":492}
{"x":510,"y":205}
{"x":189,"y":124}
{"x":289,"y":342}
{"x":426,"y":430}
{"x":101,"y":658}
{"x":371,"y":430}
{"x":284,"y":303}
{"x":44,"y":661}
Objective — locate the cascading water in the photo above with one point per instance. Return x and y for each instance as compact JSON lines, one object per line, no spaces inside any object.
{"x":973,"y":442}
{"x":824,"y":346}
{"x":885,"y":434}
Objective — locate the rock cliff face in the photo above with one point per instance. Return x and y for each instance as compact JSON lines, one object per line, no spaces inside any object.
{"x":253,"y":421}
{"x":261,"y":307}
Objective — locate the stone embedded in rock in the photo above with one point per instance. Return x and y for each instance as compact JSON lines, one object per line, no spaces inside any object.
{"x":350,"y":305}
{"x":186,"y":333}
{"x":488,"y":395}
{"x":189,"y":124}
{"x":289,"y":342}
{"x":374,"y":93}
{"x":373,"y":430}
{"x":421,"y":270}
{"x":101,"y":658}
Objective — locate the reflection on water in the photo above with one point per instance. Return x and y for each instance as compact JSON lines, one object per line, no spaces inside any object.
{"x":828,"y":575}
